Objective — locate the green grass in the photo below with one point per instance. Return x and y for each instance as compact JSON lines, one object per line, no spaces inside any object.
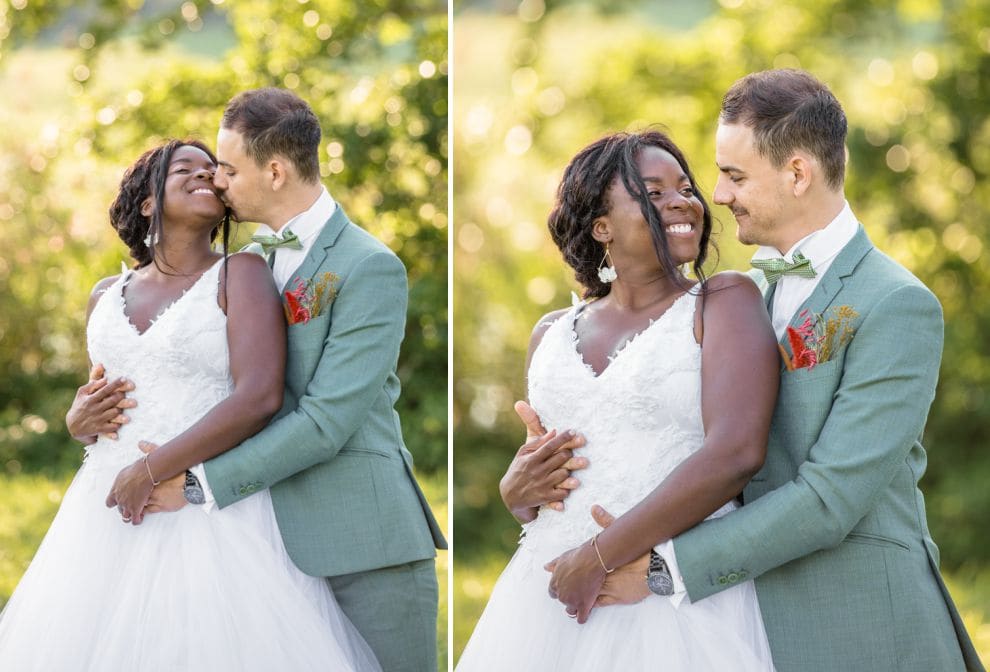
{"x":970,"y":588}
{"x":28,"y":504}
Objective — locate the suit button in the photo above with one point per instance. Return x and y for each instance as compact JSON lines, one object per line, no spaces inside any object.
{"x":733,"y":577}
{"x":743,"y":574}
{"x":242,"y":491}
{"x":722,"y":581}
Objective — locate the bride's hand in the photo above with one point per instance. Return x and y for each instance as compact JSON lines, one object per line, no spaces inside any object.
{"x":540,"y":473}
{"x":98,"y":407}
{"x":132,"y":488}
{"x":577,"y":580}
{"x":536,"y":477}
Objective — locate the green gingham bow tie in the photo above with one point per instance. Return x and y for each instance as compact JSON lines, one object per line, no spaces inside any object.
{"x":774,"y":268}
{"x":269,"y":243}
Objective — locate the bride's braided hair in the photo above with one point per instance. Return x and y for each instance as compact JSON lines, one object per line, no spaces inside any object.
{"x":144,"y":179}
{"x":582,"y":197}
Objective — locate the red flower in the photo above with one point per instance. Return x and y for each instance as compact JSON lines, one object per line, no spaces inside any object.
{"x":803,"y":355}
{"x":297,"y":313}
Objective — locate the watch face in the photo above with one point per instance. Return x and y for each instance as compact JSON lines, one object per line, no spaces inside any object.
{"x":194,"y":494}
{"x":659,"y":582}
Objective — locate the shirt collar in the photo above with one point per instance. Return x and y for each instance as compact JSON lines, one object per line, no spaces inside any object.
{"x":821,"y":245}
{"x":309,"y":222}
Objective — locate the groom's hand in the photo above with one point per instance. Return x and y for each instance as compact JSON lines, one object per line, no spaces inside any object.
{"x":627,"y":584}
{"x":169,"y":495}
{"x":98,"y":407}
{"x":540,"y":472}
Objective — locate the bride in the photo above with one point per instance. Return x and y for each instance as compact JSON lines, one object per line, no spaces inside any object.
{"x":192,"y":590}
{"x":672,"y":384}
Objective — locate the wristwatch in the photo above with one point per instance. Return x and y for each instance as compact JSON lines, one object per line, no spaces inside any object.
{"x":658,"y":578}
{"x":193,"y":491}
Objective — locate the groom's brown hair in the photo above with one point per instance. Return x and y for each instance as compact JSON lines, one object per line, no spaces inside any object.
{"x":788,"y":110}
{"x":276,"y":121}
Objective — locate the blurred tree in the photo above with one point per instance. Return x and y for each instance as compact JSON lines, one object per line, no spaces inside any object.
{"x":376,"y":75}
{"x":544,"y":79}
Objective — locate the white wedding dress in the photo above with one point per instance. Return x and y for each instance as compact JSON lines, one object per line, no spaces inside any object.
{"x":641,"y":417}
{"x":189,"y":590}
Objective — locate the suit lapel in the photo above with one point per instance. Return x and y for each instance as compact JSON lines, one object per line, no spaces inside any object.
{"x":318,"y":253}
{"x":768,"y":297}
{"x":843,"y":266}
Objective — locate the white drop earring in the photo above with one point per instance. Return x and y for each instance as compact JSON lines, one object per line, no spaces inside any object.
{"x":606,"y":273}
{"x":151,"y":240}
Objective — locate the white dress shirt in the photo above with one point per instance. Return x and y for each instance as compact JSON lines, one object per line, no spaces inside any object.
{"x":820,"y":248}
{"x":307,"y":226}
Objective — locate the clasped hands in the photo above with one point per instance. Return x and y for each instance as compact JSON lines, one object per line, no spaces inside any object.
{"x":99,"y":408}
{"x":540,"y":474}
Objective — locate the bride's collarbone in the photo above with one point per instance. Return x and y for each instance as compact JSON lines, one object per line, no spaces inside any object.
{"x":147,"y":297}
{"x":602,"y":332}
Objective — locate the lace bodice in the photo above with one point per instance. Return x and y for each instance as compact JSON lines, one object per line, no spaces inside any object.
{"x":179,"y":365}
{"x":641,"y":416}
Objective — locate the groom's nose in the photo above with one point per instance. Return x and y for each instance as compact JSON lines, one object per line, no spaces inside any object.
{"x":722,"y":194}
{"x":220,"y":180}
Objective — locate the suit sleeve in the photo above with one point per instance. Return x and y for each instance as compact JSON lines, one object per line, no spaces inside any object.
{"x":879,"y":412}
{"x":359,"y":354}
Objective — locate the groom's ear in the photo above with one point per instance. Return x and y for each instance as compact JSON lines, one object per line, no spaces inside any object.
{"x":801,"y":170}
{"x":277,"y":171}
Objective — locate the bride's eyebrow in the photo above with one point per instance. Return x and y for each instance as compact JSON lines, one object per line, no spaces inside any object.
{"x":188,"y":161}
{"x":660,"y":180}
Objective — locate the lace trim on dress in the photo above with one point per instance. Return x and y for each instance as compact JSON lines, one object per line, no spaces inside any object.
{"x":126,"y":278}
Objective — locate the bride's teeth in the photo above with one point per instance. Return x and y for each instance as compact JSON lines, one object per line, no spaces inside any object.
{"x":679,"y":228}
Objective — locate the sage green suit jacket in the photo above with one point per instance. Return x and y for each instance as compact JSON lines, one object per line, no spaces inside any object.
{"x":340,"y":476}
{"x":833,"y":527}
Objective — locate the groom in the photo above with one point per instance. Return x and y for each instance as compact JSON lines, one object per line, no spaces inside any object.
{"x":833,"y":528}
{"x":340,"y":477}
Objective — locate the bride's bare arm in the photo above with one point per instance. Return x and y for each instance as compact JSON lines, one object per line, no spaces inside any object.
{"x":256,"y":342}
{"x":740,"y":376}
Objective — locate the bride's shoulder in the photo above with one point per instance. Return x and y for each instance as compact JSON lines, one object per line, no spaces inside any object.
{"x":723,"y":280}
{"x":98,"y":290}
{"x":729,"y":287}
{"x":541,"y":326}
{"x":246,"y":268}
{"x":246,"y":275}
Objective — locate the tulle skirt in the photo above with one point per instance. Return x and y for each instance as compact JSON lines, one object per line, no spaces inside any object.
{"x":523,"y":629}
{"x":189,"y":590}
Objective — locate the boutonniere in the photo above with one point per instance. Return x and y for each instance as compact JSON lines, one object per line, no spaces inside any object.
{"x":309,"y":298}
{"x":818,"y":338}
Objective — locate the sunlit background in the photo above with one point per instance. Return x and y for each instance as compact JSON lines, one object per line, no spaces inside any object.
{"x":536,"y":80}
{"x":87,"y":86}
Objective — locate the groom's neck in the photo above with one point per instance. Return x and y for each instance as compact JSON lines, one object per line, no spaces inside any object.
{"x":812,"y":214}
{"x":291,"y":201}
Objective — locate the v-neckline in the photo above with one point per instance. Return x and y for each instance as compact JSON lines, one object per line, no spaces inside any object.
{"x":158,"y":318}
{"x":614,"y":357}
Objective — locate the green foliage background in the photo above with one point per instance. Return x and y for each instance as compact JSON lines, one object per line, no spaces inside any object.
{"x":537,"y":80}
{"x":87,"y":87}
{"x":87,"y":90}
